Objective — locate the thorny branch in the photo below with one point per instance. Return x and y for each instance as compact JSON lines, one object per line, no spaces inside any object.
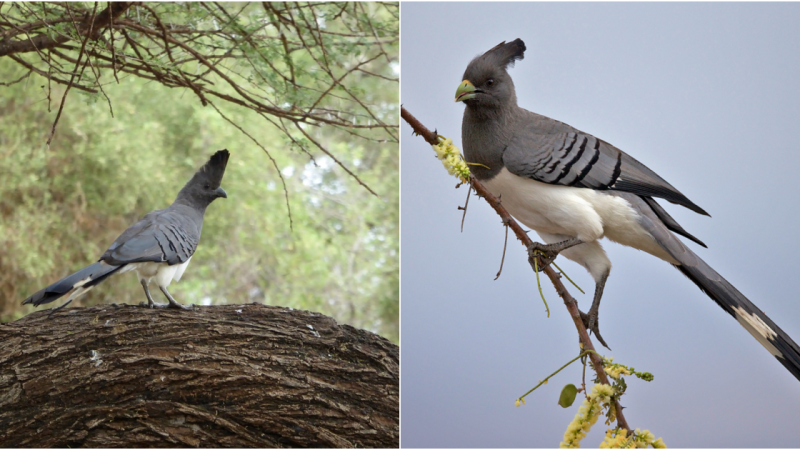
{"x":302,"y":63}
{"x":522,"y":236}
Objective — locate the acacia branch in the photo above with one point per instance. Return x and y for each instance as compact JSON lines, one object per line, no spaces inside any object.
{"x":522,"y":236}
{"x":90,"y":26}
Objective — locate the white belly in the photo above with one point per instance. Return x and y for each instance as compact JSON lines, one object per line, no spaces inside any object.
{"x":163,"y":273}
{"x":573,"y":212}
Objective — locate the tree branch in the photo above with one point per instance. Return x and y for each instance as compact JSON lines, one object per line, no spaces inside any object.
{"x":245,"y":376}
{"x":44,"y":41}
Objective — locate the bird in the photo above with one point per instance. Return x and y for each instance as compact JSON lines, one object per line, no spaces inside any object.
{"x":573,"y":189}
{"x":158,"y":248}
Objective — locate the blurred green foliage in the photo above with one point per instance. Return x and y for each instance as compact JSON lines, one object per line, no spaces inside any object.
{"x":61,"y":207}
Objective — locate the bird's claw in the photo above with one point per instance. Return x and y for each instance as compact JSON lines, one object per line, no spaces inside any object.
{"x":176,"y":305}
{"x":154,"y":305}
{"x":546,"y":255}
{"x":179,"y":306}
{"x":590,"y":321}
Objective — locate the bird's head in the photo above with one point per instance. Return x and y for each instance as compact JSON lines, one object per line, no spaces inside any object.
{"x":486,"y":83}
{"x":204,"y":187}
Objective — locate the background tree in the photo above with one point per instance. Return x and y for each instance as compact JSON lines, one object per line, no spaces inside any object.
{"x":304,"y":95}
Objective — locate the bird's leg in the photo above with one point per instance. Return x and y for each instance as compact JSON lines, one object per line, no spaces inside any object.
{"x":590,"y":321}
{"x":150,"y":301}
{"x":172,"y":302}
{"x":54,"y":310}
{"x":550,"y":251}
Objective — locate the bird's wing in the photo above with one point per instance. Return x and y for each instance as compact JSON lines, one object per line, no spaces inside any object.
{"x":560,"y":155}
{"x":161,"y":236}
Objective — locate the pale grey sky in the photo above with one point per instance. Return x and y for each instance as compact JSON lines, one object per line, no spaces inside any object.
{"x":706,"y":95}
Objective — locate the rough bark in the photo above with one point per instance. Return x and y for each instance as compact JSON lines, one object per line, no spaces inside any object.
{"x":220,"y":376}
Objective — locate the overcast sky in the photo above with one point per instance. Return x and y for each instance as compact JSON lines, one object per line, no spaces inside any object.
{"x":706,"y":95}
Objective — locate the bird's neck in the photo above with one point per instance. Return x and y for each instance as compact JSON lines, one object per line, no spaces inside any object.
{"x":485,"y":135}
{"x":189,"y":204}
{"x":491,"y":112}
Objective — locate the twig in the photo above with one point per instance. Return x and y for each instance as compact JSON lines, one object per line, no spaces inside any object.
{"x":25,"y":75}
{"x":111,"y":41}
{"x":584,"y":353}
{"x":464,"y":216}
{"x":96,"y":73}
{"x":274,"y":163}
{"x":503,"y":259}
{"x":535,"y":264}
{"x":72,"y":78}
{"x":561,"y":272}
{"x":569,"y":302}
{"x":44,"y":74}
{"x":339,"y":163}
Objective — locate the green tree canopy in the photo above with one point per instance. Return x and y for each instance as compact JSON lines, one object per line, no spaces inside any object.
{"x":133,"y":98}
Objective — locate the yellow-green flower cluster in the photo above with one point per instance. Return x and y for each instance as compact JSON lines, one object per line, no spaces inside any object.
{"x":450,"y":156}
{"x":581,"y":424}
{"x":617,"y":438}
{"x":602,"y":393}
{"x":614,"y":370}
{"x":617,"y":370}
{"x":638,"y":439}
{"x":518,"y":402}
{"x":588,"y":413}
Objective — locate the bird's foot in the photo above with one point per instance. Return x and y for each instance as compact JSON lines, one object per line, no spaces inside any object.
{"x":590,"y":321}
{"x":177,"y":305}
{"x":55,"y":310}
{"x":546,"y":257}
{"x":154,"y":305}
{"x":548,"y":252}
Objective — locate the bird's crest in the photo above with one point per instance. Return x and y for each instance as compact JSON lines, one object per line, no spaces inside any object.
{"x":505,"y":54}
{"x":213,"y":170}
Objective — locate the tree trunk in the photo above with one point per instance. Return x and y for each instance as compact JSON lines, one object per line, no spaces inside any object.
{"x":218,"y":376}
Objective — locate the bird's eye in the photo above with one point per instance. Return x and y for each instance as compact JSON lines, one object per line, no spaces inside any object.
{"x":208,"y":186}
{"x":490,"y":82}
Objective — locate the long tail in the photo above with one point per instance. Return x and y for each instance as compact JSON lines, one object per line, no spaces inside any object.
{"x":79,"y":282}
{"x":775,"y":340}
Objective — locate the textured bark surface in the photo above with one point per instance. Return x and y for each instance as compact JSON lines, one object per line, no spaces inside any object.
{"x":219,"y":376}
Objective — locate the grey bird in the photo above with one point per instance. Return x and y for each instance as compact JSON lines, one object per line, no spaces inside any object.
{"x":158,"y":247}
{"x":574,"y":189}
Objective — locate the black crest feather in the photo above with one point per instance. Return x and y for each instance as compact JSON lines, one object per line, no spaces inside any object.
{"x":214,"y":169}
{"x":505,"y":54}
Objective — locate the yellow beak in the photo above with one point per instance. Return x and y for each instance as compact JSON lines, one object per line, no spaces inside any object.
{"x":466,"y":91}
